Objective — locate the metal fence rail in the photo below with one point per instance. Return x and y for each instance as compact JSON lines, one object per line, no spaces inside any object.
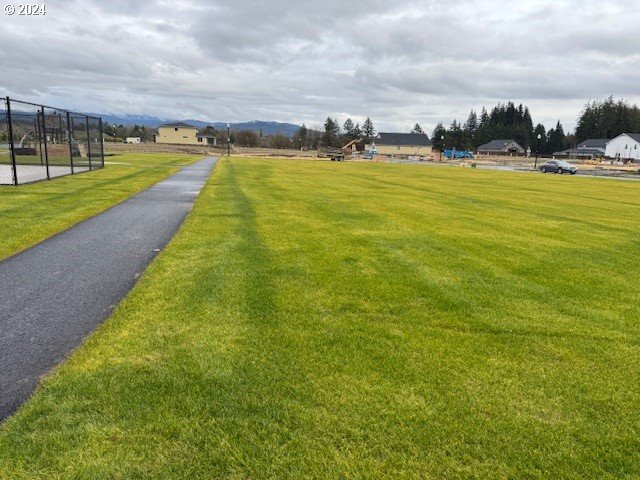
{"x":38,"y":142}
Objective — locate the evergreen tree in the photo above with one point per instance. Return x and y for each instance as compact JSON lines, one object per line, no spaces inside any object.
{"x":331,"y":131}
{"x":300,"y":139}
{"x":357,"y":131}
{"x":470,"y":129}
{"x":438,"y":136}
{"x":539,"y":144}
{"x":548,"y":148}
{"x":417,"y":129}
{"x":607,"y":119}
{"x":455,"y":136}
{"x":556,"y":139}
{"x":527,"y":128}
{"x":367,"y":129}
{"x":349,"y":128}
{"x":483,"y":132}
{"x":471,"y":124}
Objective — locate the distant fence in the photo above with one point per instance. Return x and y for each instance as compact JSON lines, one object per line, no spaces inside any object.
{"x":38,"y":142}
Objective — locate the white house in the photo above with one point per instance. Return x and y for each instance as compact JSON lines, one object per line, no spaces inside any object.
{"x":625,"y":146}
{"x":132,"y":140}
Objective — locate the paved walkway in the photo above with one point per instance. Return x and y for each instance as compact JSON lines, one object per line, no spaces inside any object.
{"x":53,"y":295}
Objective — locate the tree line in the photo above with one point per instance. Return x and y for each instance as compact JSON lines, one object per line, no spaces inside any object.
{"x":118,"y":133}
{"x":599,"y":119}
{"x":607,"y":119}
{"x":505,"y":121}
{"x":334,"y":136}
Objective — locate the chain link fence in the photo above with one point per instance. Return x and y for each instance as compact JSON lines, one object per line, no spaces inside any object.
{"x":39,"y":142}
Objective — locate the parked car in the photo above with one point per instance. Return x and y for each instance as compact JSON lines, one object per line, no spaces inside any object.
{"x":558,"y":166}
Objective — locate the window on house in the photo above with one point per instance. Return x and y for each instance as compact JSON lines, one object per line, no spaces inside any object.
{"x":176,"y":129}
{"x":200,"y":140}
{"x":184,"y":136}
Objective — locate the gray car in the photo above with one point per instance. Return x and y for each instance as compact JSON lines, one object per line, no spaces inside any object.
{"x":558,"y":166}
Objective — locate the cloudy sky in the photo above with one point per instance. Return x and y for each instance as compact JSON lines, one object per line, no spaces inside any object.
{"x":399,"y":61}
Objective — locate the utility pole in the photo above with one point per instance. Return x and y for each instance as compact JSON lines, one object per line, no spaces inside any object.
{"x":228,"y":140}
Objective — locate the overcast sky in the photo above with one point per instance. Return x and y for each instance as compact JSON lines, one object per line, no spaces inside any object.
{"x":399,"y":61}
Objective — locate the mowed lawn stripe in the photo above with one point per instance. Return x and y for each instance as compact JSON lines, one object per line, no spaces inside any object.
{"x":322,"y":320}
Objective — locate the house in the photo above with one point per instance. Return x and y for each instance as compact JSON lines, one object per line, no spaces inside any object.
{"x":208,"y":136}
{"x":178,"y":133}
{"x":597,"y":145}
{"x":132,"y":140}
{"x":589,"y":149}
{"x":401,"y":144}
{"x":624,"y":147}
{"x":580,"y":153}
{"x":501,"y":147}
{"x":184,"y":134}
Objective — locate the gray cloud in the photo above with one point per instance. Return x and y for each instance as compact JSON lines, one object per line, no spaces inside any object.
{"x":399,"y":62}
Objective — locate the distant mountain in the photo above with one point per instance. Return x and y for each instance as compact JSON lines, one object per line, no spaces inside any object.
{"x":268,"y":128}
{"x":126,"y":120}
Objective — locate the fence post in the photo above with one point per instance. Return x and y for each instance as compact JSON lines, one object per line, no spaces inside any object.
{"x":37,"y":127}
{"x":101,"y":143}
{"x":69,"y":135}
{"x":44,"y":139}
{"x":86,"y":118}
{"x":11,"y":146}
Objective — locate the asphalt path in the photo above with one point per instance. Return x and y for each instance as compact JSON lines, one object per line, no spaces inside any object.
{"x":56,"y":293}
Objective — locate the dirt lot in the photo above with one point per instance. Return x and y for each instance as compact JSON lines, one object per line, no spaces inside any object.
{"x":515,"y":162}
{"x":198,"y":150}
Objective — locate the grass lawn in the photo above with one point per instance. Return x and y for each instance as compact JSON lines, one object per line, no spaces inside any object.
{"x":326,"y":320}
{"x":33,"y":212}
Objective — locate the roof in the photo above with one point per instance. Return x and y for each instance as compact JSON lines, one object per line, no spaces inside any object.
{"x":595,"y":152}
{"x":408,"y":139}
{"x":498,"y":144}
{"x":177,"y":125}
{"x":594,"y":143}
{"x":633,"y":136}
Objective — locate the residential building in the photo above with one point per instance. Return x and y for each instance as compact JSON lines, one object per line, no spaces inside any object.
{"x":177,"y":133}
{"x":132,"y":140}
{"x":624,"y":147}
{"x":594,"y":144}
{"x":501,"y":147}
{"x":184,"y":134}
{"x":208,"y":136}
{"x":401,"y":144}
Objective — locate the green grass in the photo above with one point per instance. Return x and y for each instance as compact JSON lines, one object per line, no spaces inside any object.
{"x":322,"y":320}
{"x":33,"y":212}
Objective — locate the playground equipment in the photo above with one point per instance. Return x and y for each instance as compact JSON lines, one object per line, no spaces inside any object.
{"x":38,"y":142}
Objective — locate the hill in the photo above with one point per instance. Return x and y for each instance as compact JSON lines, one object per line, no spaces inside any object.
{"x":267,"y":127}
